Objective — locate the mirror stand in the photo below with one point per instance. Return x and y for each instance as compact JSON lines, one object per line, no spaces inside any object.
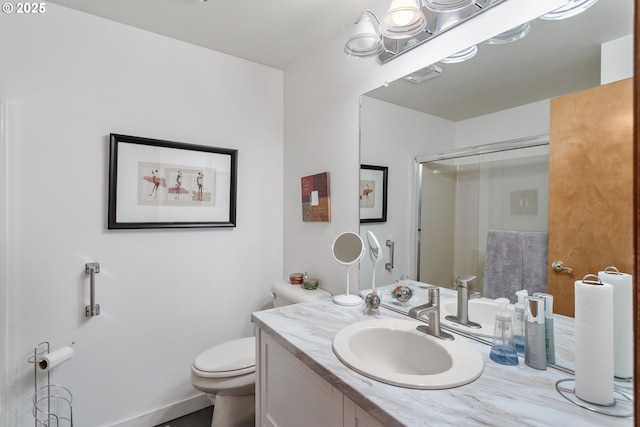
{"x":347,"y":299}
{"x":347,"y":249}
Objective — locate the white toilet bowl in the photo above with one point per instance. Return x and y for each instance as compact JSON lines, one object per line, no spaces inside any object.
{"x":228,"y":370}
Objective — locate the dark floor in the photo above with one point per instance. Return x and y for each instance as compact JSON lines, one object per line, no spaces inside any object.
{"x":201,"y":418}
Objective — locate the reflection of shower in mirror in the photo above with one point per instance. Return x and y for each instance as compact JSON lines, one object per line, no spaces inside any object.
{"x":375,"y":253}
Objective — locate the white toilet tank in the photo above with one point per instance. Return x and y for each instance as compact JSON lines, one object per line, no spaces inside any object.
{"x":284,"y":293}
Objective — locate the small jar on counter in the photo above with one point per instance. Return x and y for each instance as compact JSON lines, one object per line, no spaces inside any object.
{"x":296,"y":278}
{"x":310,"y":283}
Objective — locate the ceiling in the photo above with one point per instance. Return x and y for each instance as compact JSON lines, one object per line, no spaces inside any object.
{"x":556,"y":57}
{"x":270,"y":32}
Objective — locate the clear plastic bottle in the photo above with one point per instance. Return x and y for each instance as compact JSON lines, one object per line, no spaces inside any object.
{"x":518,"y":321}
{"x":503,"y":350}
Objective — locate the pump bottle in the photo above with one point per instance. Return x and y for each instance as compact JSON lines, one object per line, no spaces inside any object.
{"x":518,"y":321}
{"x":535,"y":353}
{"x":503,"y":350}
{"x":548,"y":326}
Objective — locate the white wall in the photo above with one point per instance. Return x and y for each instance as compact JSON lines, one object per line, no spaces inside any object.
{"x":70,"y":79}
{"x":518,"y":122}
{"x":322,"y":91}
{"x":616,"y":60}
{"x":393,"y":136}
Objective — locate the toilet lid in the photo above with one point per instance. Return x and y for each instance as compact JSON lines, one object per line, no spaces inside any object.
{"x":236,"y":357}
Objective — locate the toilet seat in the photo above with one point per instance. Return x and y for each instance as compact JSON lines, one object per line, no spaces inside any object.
{"x":229,"y":359}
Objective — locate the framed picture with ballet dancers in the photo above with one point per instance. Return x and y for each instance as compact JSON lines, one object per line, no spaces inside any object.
{"x":373,"y":193}
{"x":165,"y":184}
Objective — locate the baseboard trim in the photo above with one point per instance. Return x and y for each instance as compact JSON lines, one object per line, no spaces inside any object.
{"x":168,"y":413}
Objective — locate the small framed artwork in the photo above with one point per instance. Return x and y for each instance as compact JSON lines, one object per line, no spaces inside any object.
{"x":165,"y":184}
{"x":316,"y":198}
{"x":373,"y":193}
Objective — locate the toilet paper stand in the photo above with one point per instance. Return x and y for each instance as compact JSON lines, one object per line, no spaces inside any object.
{"x":622,"y":406}
{"x":52,"y":403}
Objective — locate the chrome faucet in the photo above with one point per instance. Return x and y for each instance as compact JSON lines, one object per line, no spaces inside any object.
{"x":462,"y":316}
{"x":432,"y":308}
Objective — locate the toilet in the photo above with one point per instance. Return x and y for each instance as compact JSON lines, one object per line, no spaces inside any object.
{"x":228,"y":370}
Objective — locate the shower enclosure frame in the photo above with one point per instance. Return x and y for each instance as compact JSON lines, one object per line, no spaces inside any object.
{"x":496,"y":147}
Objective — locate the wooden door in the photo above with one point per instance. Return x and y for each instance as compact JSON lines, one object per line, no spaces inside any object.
{"x":590,"y":186}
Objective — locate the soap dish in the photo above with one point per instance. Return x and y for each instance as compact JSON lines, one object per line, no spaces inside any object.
{"x":622,"y":406}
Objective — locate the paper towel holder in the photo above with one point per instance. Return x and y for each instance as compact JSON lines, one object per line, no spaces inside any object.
{"x":92,"y":268}
{"x":596,"y":282}
{"x":621,"y":407}
{"x":615,"y":270}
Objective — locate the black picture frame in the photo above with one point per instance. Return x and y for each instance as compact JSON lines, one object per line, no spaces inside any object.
{"x":166,"y":184}
{"x":373,"y":193}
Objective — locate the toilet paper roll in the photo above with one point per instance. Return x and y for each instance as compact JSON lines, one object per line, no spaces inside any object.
{"x":54,"y":358}
{"x":622,"y":321}
{"x":594,"y":342}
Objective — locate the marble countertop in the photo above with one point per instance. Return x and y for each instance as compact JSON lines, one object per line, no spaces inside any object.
{"x":503,"y":395}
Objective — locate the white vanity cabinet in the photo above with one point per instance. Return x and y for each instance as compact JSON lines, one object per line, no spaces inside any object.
{"x":290,"y":394}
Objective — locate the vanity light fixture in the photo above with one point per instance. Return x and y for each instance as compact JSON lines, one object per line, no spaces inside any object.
{"x":447,"y":5}
{"x":423,"y":74}
{"x":572,"y":8}
{"x":463,"y":55}
{"x":516,"y":33}
{"x":365,"y":41}
{"x":408,"y":24}
{"x":403,"y":20}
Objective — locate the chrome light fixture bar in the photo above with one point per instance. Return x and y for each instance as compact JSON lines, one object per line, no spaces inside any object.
{"x":441,"y":15}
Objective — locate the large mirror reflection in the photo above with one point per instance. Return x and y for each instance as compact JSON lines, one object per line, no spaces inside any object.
{"x":530,"y":90}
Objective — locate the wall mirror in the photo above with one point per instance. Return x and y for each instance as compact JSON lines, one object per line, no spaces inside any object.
{"x":555,"y":58}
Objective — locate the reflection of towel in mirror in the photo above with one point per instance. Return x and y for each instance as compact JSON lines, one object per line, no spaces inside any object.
{"x":515,"y":260}
{"x":503,"y":264}
{"x":534,"y":261}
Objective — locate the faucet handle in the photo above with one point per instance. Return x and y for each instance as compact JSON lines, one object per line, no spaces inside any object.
{"x":464,"y":281}
{"x":434,"y":295}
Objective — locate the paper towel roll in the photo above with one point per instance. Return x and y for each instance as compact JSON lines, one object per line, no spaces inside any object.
{"x":622,"y":321}
{"x":54,"y":358}
{"x":594,"y":342}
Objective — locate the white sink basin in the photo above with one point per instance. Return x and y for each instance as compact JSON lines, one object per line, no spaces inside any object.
{"x":481,"y":311}
{"x":394,"y":352}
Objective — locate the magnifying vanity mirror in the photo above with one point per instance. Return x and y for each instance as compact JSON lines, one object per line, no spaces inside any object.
{"x":501,"y":94}
{"x":375,"y":253}
{"x":348,"y":249}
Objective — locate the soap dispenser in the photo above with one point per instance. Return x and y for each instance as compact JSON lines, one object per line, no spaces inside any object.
{"x":503,"y":350}
{"x":518,"y":320}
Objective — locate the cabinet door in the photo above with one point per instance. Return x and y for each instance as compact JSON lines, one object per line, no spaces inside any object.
{"x":290,"y":394}
{"x":355,"y":416}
